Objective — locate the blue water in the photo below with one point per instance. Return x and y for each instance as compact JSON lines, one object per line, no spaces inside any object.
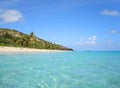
{"x":60,"y":70}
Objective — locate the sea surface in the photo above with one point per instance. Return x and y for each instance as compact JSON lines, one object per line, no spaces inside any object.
{"x":60,"y":70}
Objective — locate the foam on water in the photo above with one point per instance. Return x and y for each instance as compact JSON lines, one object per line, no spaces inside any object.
{"x":60,"y":70}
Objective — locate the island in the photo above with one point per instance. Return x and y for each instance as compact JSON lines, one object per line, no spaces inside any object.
{"x":16,"y":39}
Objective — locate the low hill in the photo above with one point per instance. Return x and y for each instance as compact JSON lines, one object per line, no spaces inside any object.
{"x":15,"y":38}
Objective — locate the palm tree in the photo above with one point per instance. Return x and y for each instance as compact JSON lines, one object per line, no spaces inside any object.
{"x":31,"y":36}
{"x":24,"y":41}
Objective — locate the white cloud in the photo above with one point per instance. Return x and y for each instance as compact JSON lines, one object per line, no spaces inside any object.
{"x":110,"y":13}
{"x":109,"y":42}
{"x":10,"y":16}
{"x":81,"y":41}
{"x":8,"y":3}
{"x":91,"y":41}
{"x":114,"y":31}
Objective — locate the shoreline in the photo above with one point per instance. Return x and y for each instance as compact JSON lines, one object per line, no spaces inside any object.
{"x":5,"y":49}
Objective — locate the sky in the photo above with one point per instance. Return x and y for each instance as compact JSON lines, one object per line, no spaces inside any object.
{"x":92,"y":25}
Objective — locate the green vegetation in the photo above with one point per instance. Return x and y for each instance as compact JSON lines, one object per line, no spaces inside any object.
{"x":18,"y":39}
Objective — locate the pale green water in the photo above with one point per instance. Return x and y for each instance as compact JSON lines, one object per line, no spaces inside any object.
{"x":60,"y":70}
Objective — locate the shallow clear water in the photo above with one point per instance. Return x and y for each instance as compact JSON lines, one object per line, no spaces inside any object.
{"x":60,"y":70}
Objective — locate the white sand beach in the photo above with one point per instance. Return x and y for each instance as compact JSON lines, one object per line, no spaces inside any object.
{"x":4,"y":49}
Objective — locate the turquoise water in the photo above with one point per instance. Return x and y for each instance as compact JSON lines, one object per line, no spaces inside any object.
{"x":60,"y":70}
